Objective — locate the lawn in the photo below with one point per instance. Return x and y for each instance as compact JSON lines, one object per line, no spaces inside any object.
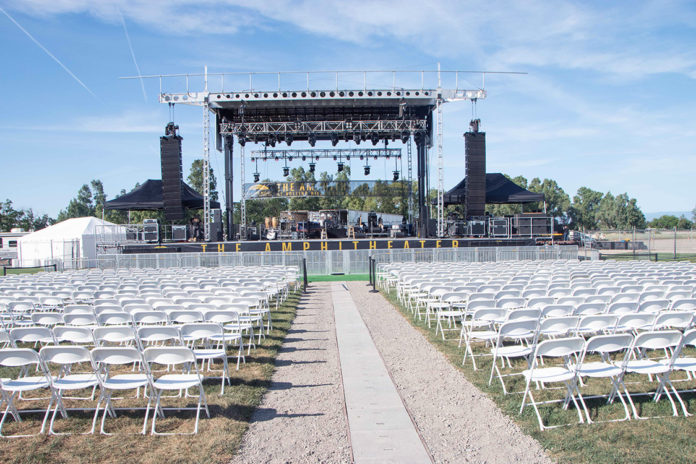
{"x":217,"y":440}
{"x":635,"y":441}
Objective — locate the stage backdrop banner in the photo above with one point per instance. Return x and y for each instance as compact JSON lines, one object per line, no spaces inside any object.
{"x":333,"y":188}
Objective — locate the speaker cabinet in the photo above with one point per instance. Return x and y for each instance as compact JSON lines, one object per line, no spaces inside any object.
{"x":475,"y":200}
{"x":179,"y":233}
{"x":172,"y":177}
{"x":477,"y":228}
{"x":151,"y":230}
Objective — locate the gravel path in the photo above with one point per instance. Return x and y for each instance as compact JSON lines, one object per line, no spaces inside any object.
{"x":456,"y":420}
{"x":302,"y":418}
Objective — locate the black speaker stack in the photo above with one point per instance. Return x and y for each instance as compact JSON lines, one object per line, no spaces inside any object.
{"x":475,"y":142}
{"x":172,"y":175}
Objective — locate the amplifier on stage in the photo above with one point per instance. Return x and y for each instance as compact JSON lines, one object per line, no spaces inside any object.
{"x":151,"y":230}
{"x":498,"y":227}
{"x":179,"y":233}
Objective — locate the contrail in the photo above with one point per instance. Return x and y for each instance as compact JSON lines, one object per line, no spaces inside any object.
{"x":48,"y":53}
{"x":130,"y":46}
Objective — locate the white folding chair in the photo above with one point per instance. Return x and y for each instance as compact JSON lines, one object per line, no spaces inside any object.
{"x":656,"y":342}
{"x":104,"y":359}
{"x":481,"y":328}
{"x":189,"y":377}
{"x":613,"y":352}
{"x":70,"y":377}
{"x":28,"y":361}
{"x":565,"y":350}
{"x":522,"y":334}
{"x":208,"y":342}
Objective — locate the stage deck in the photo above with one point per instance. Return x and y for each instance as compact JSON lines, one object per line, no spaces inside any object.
{"x":324,"y":245}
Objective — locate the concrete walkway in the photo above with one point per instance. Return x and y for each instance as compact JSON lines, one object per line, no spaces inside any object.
{"x":380,"y":428}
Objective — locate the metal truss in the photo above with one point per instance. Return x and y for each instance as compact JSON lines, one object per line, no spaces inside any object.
{"x":322,"y":153}
{"x":383,"y":127}
{"x":206,"y":168}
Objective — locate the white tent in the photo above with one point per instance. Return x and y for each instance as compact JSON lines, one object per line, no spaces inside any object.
{"x":71,"y":243}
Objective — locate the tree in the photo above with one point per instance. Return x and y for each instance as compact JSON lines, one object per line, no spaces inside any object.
{"x":557,"y":201}
{"x":583,"y":211}
{"x":79,"y":206}
{"x":195,"y":179}
{"x":670,"y":222}
{"x":619,"y":212}
{"x":693,"y":214}
{"x":11,"y":218}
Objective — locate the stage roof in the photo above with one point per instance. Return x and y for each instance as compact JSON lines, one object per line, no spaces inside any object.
{"x":499,"y":190}
{"x":149,"y":197}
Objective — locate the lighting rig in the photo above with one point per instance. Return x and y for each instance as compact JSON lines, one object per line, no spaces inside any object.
{"x":337,"y":155}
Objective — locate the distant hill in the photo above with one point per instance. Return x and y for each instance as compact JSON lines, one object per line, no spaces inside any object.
{"x":651,"y":216}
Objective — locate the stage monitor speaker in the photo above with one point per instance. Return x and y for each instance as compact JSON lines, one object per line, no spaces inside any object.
{"x":172,"y":175}
{"x":475,"y":200}
{"x":151,"y":230}
{"x":216,"y":225}
{"x":477,"y":228}
{"x":179,"y":233}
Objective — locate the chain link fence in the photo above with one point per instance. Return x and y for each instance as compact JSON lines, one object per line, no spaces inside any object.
{"x":655,"y":244}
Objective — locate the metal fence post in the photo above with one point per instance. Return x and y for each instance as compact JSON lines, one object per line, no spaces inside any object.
{"x":304,"y":274}
{"x":675,"y":243}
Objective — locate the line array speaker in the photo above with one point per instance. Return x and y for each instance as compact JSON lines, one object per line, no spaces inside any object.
{"x":172,"y":177}
{"x":475,"y":200}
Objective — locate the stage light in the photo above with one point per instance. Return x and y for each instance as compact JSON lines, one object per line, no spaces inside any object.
{"x":356,"y":137}
{"x":252,"y":159}
{"x":276,"y":158}
{"x":405,"y":136}
{"x":348,"y":157}
{"x":286,"y":171}
{"x":312,"y":167}
{"x":367,"y":170}
{"x":312,"y":139}
{"x":271,"y":141}
{"x":374,"y":138}
{"x":361,"y":157}
{"x":288,"y":139}
{"x":289,"y":158}
{"x":396,"y":176}
{"x":335,"y":157}
{"x":242,"y":140}
{"x":257,"y":176}
{"x":304,"y":158}
{"x":340,"y":167}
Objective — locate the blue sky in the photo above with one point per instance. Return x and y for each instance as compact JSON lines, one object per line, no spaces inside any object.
{"x":609,"y":101}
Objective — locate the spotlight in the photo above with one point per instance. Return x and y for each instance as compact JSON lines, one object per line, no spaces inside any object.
{"x":317,"y":157}
{"x":374,"y":138}
{"x":276,"y":158}
{"x":335,"y":157}
{"x":271,"y":141}
{"x":361,"y":157}
{"x":340,"y":167}
{"x":242,"y":140}
{"x":313,"y":139}
{"x":367,"y":170}
{"x":286,"y":171}
{"x":312,"y":167}
{"x":405,"y":136}
{"x":304,"y":158}
{"x":356,"y":137}
{"x":288,"y":139}
{"x":348,"y":157}
{"x":396,"y":176}
{"x":257,"y":176}
{"x":289,"y":158}
{"x":252,"y":159}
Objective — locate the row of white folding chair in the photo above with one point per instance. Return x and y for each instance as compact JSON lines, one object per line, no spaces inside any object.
{"x":666,"y":345}
{"x":81,"y":369}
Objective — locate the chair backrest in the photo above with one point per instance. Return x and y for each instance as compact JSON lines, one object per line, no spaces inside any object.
{"x":657,"y":340}
{"x":558,"y":325}
{"x":80,"y":319}
{"x":598,"y":299}
{"x":114,"y":318}
{"x":156,"y":334}
{"x":32,"y":335}
{"x":47,"y":319}
{"x":65,"y":355}
{"x":78,"y":309}
{"x":150,"y":317}
{"x":524,"y":314}
{"x":684,"y":304}
{"x":539,"y":302}
{"x":116,"y":356}
{"x":169,"y":355}
{"x":609,"y":343}
{"x":489,"y":315}
{"x":201,"y":331}
{"x":560,"y":347}
{"x":19,"y":357}
{"x":636,"y":321}
{"x":185,"y":317}
{"x":222,"y":316}
{"x":556,"y":310}
{"x":115,"y":334}
{"x":480,"y":304}
{"x":73,"y":334}
{"x":622,"y":307}
{"x":517,"y":329}
{"x":598,"y":322}
{"x":510,"y":303}
{"x":653,"y":306}
{"x":674,"y":319}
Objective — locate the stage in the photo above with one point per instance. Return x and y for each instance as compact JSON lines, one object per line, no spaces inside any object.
{"x":324,"y":245}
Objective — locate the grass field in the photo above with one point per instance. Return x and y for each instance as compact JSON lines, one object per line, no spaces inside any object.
{"x":216,"y":442}
{"x":636,"y":441}
{"x":23,"y":270}
{"x":338,"y":278}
